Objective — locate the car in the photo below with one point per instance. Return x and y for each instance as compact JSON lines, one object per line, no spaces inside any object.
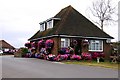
{"x":1,"y":51}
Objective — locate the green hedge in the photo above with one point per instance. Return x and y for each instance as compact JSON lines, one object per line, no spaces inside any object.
{"x":24,"y":51}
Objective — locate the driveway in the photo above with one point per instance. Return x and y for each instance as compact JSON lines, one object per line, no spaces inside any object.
{"x":37,"y":68}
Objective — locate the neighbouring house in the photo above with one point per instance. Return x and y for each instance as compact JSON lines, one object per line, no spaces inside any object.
{"x":71,"y":28}
{"x":6,"y":47}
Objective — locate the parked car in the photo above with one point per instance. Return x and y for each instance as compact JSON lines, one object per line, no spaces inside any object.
{"x":1,"y":51}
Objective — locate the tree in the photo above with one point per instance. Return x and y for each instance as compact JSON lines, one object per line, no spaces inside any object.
{"x":103,"y":11}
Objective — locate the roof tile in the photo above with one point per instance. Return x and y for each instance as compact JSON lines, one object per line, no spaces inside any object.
{"x":72,"y":23}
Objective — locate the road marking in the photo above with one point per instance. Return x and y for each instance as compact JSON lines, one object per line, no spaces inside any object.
{"x":58,"y":62}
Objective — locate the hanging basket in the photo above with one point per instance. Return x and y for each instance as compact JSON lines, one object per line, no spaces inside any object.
{"x":85,"y":42}
{"x":33,"y":44}
{"x":41,"y":43}
{"x":75,"y":42}
{"x":49,"y":43}
{"x":28,"y":45}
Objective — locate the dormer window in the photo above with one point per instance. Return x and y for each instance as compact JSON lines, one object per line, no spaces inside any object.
{"x":50,"y":24}
{"x":42,"y":26}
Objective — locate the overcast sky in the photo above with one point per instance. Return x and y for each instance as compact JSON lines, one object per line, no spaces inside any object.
{"x":19,"y":19}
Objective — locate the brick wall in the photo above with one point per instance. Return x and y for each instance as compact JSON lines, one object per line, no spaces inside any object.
{"x":85,"y":48}
{"x":107,"y":50}
{"x":57,"y":43}
{"x":56,"y":46}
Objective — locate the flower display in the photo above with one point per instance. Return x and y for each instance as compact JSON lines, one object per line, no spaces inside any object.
{"x":75,"y":57}
{"x":33,"y":45}
{"x":28,"y":44}
{"x":86,"y":56}
{"x":64,"y":51}
{"x":62,"y":57}
{"x":97,"y":54}
{"x":51,"y":57}
{"x":49,"y":43}
{"x":45,"y":51}
{"x":75,"y":42}
{"x":85,"y":42}
{"x":41,"y":43}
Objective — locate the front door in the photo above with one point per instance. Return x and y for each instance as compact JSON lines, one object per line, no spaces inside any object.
{"x":79,"y":47}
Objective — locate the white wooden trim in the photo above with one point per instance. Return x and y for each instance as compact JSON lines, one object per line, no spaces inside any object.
{"x":50,"y":19}
{"x":64,"y":39}
{"x":43,"y":26}
{"x":70,"y":37}
{"x":98,"y":50}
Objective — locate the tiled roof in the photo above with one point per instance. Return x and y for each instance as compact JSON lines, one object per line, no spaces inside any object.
{"x":72,"y":23}
{"x":4,"y":44}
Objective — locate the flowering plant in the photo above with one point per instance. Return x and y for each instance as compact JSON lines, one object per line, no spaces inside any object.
{"x":28,"y":45}
{"x":75,"y":57}
{"x":86,"y":56}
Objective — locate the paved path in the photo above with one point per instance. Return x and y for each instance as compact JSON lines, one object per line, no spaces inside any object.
{"x":36,"y":68}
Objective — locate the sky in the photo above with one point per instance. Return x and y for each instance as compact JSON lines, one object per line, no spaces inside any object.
{"x":19,"y":19}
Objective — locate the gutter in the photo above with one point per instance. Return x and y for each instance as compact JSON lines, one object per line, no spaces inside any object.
{"x":68,"y":37}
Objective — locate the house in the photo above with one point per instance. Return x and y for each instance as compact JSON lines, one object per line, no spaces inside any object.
{"x":6,"y":47}
{"x":70,"y":28}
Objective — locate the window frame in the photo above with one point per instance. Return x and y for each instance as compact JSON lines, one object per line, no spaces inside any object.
{"x":97,"y":44}
{"x":42,"y":27}
{"x":66,"y":42}
{"x":50,"y":25}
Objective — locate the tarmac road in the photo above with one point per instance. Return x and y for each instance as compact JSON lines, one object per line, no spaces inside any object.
{"x":36,"y":68}
{"x":0,"y":67}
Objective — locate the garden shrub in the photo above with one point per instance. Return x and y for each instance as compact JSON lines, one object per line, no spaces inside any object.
{"x":24,"y":51}
{"x":21,"y":52}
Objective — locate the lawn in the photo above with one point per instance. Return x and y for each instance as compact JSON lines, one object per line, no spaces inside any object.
{"x":105,"y":64}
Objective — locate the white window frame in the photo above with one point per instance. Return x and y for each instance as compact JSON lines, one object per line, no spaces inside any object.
{"x":66,"y":42}
{"x":50,"y":24}
{"x":98,"y":45}
{"x":108,"y":41}
{"x":42,"y":26}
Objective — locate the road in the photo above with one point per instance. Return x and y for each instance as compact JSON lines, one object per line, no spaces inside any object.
{"x":0,"y":67}
{"x":36,"y":68}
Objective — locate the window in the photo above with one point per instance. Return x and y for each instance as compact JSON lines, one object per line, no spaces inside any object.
{"x":42,"y":27}
{"x":96,"y":45}
{"x":65,"y":42}
{"x":108,"y":40}
{"x":50,"y":24}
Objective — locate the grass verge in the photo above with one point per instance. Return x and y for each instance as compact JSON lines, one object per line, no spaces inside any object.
{"x":105,"y":64}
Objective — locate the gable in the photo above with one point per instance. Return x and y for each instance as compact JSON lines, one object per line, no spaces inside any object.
{"x":4,"y":44}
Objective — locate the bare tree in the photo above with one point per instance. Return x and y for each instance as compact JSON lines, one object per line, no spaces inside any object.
{"x":103,"y":11}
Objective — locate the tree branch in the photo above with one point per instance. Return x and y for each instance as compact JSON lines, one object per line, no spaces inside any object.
{"x":103,"y":10}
